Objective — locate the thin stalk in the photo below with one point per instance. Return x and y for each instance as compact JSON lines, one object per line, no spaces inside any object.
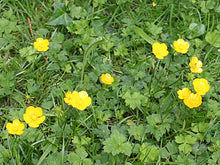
{"x":91,"y":46}
{"x":155,"y":70}
{"x":15,"y":153}
{"x":170,"y":20}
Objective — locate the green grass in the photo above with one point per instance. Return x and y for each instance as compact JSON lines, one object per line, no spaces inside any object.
{"x":139,"y":119}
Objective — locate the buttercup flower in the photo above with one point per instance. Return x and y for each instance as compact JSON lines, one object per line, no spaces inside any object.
{"x":79,"y":100}
{"x":107,"y":79}
{"x":181,"y":46}
{"x":160,"y":50}
{"x":154,"y":4}
{"x":15,"y":128}
{"x":201,"y":86}
{"x":184,"y":93}
{"x":193,"y":101}
{"x":195,"y":65}
{"x":68,"y":97}
{"x":41,"y":44}
{"x":34,"y":116}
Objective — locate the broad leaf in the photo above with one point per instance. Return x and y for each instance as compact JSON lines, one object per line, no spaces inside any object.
{"x":60,"y":17}
{"x":116,"y":144}
{"x":213,"y":38}
{"x":133,"y":100}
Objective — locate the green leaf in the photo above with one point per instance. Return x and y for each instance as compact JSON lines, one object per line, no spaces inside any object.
{"x":31,"y":134}
{"x":4,"y":154}
{"x":137,"y":131}
{"x":102,"y":131}
{"x":7,"y":80}
{"x":76,"y":12}
{"x":47,"y":104}
{"x":203,"y":7}
{"x":116,"y":144}
{"x":52,"y":159}
{"x":186,"y":148}
{"x":53,"y":66}
{"x":196,"y":30}
{"x":215,"y":158}
{"x":58,"y":37}
{"x":28,"y":53}
{"x":133,"y":100}
{"x":78,"y":26}
{"x":7,"y":26}
{"x":44,"y":155}
{"x":188,"y":139}
{"x":199,"y":127}
{"x":210,"y":4}
{"x":142,"y":34}
{"x":148,"y":153}
{"x":98,"y":2}
{"x":80,"y":141}
{"x":154,"y":119}
{"x":121,"y":50}
{"x":153,"y":29}
{"x":213,"y":38}
{"x":79,"y":157}
{"x":59,"y":17}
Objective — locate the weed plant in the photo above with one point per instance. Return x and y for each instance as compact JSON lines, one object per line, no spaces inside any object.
{"x":101,"y":94}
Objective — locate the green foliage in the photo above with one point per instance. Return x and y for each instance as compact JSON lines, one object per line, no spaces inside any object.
{"x":7,"y":82}
{"x":60,"y":16}
{"x":133,"y":100}
{"x":116,"y":144}
{"x":186,"y":140}
{"x":29,"y":53}
{"x":213,"y":38}
{"x":139,"y":119}
{"x":148,"y":153}
{"x":137,"y":131}
{"x":157,"y":126}
{"x":79,"y":157}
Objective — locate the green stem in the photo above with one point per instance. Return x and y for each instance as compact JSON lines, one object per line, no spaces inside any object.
{"x":155,"y":70}
{"x":91,"y":46}
{"x":15,"y":152}
{"x":170,"y":20}
{"x":142,"y":34}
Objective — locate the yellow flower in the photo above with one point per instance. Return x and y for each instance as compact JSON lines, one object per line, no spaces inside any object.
{"x":154,"y":4}
{"x":184,"y":93}
{"x":79,"y":100}
{"x":41,"y":44}
{"x":107,"y":79}
{"x":201,"y":86}
{"x":160,"y":50}
{"x":181,"y":46}
{"x":34,"y":116}
{"x":195,"y":65}
{"x":15,"y":128}
{"x":193,"y":101}
{"x":68,"y":97}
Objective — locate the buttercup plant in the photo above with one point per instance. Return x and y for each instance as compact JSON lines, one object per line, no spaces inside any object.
{"x":184,"y":93}
{"x":201,"y":86}
{"x":34,"y":116}
{"x":15,"y":128}
{"x":159,"y":50}
{"x":196,"y":65}
{"x":156,"y":50}
{"x":181,"y":46}
{"x":41,"y":44}
{"x":79,"y":100}
{"x":107,"y":79}
{"x":193,"y":100}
